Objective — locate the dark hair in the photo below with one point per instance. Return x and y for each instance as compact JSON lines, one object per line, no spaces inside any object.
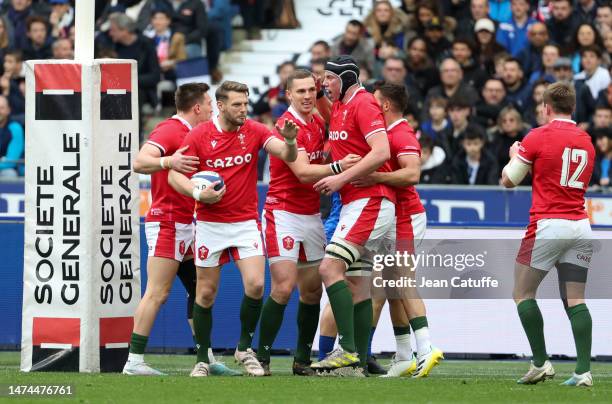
{"x":600,"y":107}
{"x":322,"y":43}
{"x":34,"y":19}
{"x":163,"y":11}
{"x":16,"y":53}
{"x":187,"y":95}
{"x":438,"y":101}
{"x":228,"y":86}
{"x":397,"y":58}
{"x":458,"y":101}
{"x":298,"y":75}
{"x":598,"y":41}
{"x":591,"y":48}
{"x":356,"y":23}
{"x":514,"y":60}
{"x":561,"y":97}
{"x":473,"y":132}
{"x":396,"y":94}
{"x":465,"y":41}
{"x":319,"y":61}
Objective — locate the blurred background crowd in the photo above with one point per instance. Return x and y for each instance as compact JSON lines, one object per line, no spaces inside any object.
{"x":474,"y":70}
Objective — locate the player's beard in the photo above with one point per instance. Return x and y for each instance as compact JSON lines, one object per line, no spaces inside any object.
{"x":235,"y":120}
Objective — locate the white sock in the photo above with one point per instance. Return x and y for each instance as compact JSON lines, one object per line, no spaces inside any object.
{"x":403,"y":347}
{"x":211,"y":357}
{"x":135,"y":358}
{"x":423,"y":342}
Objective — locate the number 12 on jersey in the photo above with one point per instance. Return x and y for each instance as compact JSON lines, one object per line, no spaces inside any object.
{"x":573,"y":156}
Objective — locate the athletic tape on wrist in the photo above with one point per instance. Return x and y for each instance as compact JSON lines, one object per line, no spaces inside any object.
{"x":161,"y":162}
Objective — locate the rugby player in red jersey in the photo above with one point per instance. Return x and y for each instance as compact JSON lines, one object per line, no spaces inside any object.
{"x":227,"y":219}
{"x":294,"y":234}
{"x":561,"y":158}
{"x":356,"y":126}
{"x":169,"y":223}
{"x":407,"y":308}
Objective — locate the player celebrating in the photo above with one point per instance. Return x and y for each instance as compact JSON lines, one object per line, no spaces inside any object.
{"x":560,"y":156}
{"x":169,"y":222}
{"x":227,"y":222}
{"x":356,"y":126}
{"x":295,"y":239}
{"x":407,"y":232}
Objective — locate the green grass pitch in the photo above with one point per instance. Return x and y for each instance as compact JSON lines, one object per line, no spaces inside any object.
{"x":452,"y":381}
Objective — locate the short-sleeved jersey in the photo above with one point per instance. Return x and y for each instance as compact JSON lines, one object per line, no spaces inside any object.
{"x":562,"y":159}
{"x":234,"y":156}
{"x":286,"y":192}
{"x":167,"y":204}
{"x":403,"y":142}
{"x":351,"y":124}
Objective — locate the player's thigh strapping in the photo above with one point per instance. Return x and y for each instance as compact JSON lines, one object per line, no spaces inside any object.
{"x":169,"y":239}
{"x":363,"y":222}
{"x":216,"y":241}
{"x":549,"y":242}
{"x":295,"y":237}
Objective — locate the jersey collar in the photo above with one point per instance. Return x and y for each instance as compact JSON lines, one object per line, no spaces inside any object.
{"x":296,"y":115}
{"x":361,"y":88}
{"x":394,"y":124}
{"x":564,"y":120}
{"x":215,"y":120}
{"x":182,"y":120}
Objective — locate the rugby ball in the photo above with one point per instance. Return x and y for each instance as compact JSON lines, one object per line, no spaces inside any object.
{"x":205,"y":179}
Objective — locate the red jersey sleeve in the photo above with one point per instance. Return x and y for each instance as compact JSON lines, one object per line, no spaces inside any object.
{"x":164,"y":140}
{"x":369,"y":117}
{"x":528,"y":149}
{"x":264,"y":134}
{"x":406,"y":145}
{"x":191,"y":141}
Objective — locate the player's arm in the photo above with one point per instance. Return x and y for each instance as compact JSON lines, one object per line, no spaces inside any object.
{"x":310,"y":173}
{"x":516,"y":170}
{"x":149,"y":160}
{"x":376,"y":157}
{"x":287,"y":150}
{"x":183,"y":185}
{"x":408,"y":174}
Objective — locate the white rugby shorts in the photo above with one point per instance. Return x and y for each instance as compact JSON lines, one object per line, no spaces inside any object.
{"x":169,"y":239}
{"x":215,"y":242}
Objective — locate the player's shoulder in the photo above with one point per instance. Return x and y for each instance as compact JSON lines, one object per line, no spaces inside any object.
{"x":363,"y":97}
{"x":251,"y":125}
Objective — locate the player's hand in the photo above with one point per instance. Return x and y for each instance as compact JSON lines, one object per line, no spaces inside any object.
{"x":349,"y":160}
{"x":514,"y":149}
{"x":209,"y":196}
{"x":184,"y":164}
{"x":329,"y":185}
{"x":366,"y":181}
{"x":289,"y":130}
{"x":318,"y":82}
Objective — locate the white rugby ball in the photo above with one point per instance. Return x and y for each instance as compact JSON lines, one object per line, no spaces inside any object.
{"x":204,"y":179}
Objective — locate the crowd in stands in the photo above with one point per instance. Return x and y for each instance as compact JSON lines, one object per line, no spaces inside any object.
{"x":475,"y":72}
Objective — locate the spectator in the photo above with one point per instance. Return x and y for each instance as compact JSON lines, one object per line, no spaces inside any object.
{"x":487,"y":47}
{"x":252,"y":12}
{"x":563,"y":24}
{"x":61,"y":18}
{"x":550,"y":54}
{"x":422,"y":73}
{"x":602,"y":118}
{"x":499,"y":60}
{"x":128,"y":44}
{"x":500,"y":10}
{"x":589,"y":83}
{"x":438,"y":126}
{"x":352,"y":43}
{"x":475,"y":165}
{"x":602,"y":171}
{"x":585,"y":36}
{"x":510,"y":129}
{"x":537,"y":97}
{"x":170,"y":46}
{"x":603,"y":21}
{"x":317,"y":67}
{"x":458,"y":112}
{"x":607,"y":39}
{"x":512,"y":35}
{"x":221,"y":13}
{"x":39,"y":43}
{"x":426,"y":12}
{"x":10,"y":84}
{"x":273,"y":103}
{"x":386,"y":50}
{"x":541,"y":118}
{"x":17,"y":13}
{"x":605,"y":97}
{"x":433,"y":169}
{"x":493,"y":100}
{"x":531,"y":56}
{"x":473,"y":74}
{"x":517,"y":89}
{"x":586,"y":10}
{"x":11,"y":141}
{"x":5,"y":43}
{"x":437,"y":44}
{"x":479,"y":9}
{"x":191,"y":20}
{"x":562,"y":70}
{"x":384,"y":23}
{"x":394,"y":71}
{"x":451,"y":77}
{"x":320,"y":50}
{"x":62,"y":49}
